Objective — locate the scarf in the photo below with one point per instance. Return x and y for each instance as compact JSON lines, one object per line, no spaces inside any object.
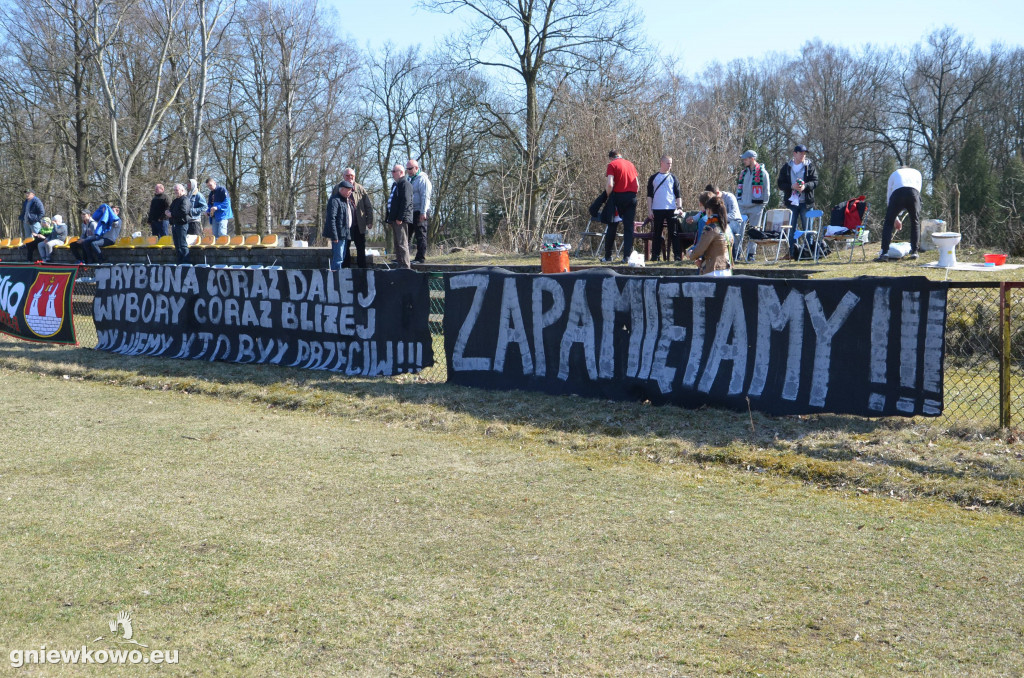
{"x":756,"y":186}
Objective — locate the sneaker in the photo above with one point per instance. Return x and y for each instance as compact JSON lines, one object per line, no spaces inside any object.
{"x":418,"y":262}
{"x":882,"y":257}
{"x":605,"y":260}
{"x":912,"y":255}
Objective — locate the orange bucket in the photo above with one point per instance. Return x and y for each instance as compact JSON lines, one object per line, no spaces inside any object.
{"x":554,"y":262}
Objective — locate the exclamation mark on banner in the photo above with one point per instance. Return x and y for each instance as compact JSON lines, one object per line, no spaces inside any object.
{"x":880,"y":318}
{"x":933,"y":339}
{"x":910,"y":326}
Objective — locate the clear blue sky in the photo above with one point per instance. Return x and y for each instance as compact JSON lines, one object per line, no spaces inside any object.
{"x":697,"y":34}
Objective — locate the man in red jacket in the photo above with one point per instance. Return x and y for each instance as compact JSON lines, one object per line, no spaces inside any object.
{"x":621,"y":188}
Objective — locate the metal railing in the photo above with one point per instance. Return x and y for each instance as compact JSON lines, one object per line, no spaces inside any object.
{"x":984,"y":367}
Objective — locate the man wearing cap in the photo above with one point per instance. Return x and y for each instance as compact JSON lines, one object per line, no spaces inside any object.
{"x":338,"y":223}
{"x":362,"y":219}
{"x":752,"y":190}
{"x":903,"y":194}
{"x":796,"y":181}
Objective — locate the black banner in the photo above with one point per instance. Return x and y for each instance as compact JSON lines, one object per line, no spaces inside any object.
{"x":869,"y":346}
{"x":355,"y":321}
{"x":35,"y":302}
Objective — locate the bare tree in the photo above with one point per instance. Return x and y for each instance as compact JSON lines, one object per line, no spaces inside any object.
{"x":534,"y":41}
{"x":141,"y":67}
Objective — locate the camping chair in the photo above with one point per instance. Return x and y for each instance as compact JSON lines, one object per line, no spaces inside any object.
{"x":853,"y":240}
{"x":737,"y":247}
{"x":771,"y":220}
{"x":590,"y":236}
{"x":809,"y":240}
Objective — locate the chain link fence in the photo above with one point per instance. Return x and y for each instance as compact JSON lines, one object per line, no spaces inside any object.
{"x":974,"y":349}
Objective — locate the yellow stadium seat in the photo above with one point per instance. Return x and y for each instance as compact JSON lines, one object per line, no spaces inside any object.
{"x":164,"y":241}
{"x":268,"y":241}
{"x":251,"y":241}
{"x":139,"y":242}
{"x":222,"y":241}
{"x":4,"y":242}
{"x":126,"y":243}
{"x":15,"y":242}
{"x":236,"y":241}
{"x":67,"y":243}
{"x":152,"y":240}
{"x":208,"y":241}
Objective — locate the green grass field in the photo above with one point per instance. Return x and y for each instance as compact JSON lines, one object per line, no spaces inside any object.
{"x":267,"y":521}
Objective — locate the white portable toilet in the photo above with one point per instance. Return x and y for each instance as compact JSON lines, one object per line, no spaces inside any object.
{"x":946,"y":241}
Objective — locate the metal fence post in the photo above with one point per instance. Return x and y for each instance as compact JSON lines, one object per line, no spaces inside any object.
{"x":1004,"y":356}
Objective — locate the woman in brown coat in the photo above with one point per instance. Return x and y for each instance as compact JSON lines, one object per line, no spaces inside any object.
{"x":713,"y":251}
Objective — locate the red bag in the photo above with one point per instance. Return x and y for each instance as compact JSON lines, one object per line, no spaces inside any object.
{"x":854,"y":215}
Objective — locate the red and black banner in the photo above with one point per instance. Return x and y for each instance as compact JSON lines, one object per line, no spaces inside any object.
{"x":35,"y":302}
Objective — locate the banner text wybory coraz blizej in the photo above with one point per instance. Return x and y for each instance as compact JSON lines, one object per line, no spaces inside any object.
{"x":354,"y":321}
{"x":870,"y":346}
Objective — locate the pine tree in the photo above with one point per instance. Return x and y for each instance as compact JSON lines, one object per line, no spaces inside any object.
{"x":974,"y":174}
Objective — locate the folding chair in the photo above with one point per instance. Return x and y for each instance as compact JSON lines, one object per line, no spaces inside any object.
{"x":588,"y":236}
{"x":810,"y":238}
{"x":858,"y":239}
{"x":770,"y":221}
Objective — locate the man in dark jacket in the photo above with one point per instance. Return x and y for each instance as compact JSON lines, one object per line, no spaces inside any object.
{"x":362,"y":219}
{"x":338,"y":222}
{"x":32,"y":213}
{"x":178,"y":214}
{"x":158,"y":206}
{"x":400,"y":214}
{"x":797,"y":180}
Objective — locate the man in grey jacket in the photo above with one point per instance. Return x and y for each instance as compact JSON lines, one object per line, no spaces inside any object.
{"x":421,"y":193}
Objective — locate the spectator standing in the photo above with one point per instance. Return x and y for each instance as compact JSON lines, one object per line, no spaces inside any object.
{"x":621,"y":186}
{"x":362,"y":219}
{"x":797,"y":180}
{"x":32,"y":213}
{"x":196,"y":204}
{"x":219,"y":208}
{"x":58,"y":236}
{"x":179,"y":214}
{"x":88,"y":233}
{"x":752,"y":189}
{"x":902,"y":194}
{"x":421,"y":194}
{"x":338,"y":222}
{"x":400,"y":214}
{"x":158,"y":207}
{"x":663,"y":199}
